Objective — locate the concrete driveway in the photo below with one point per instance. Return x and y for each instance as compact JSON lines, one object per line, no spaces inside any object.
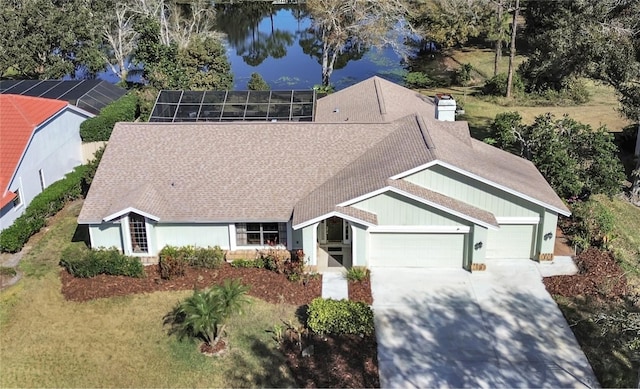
{"x":450,"y":328}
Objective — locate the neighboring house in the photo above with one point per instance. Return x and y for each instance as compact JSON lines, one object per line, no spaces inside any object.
{"x":39,"y":144}
{"x":375,"y":180}
{"x":88,"y":95}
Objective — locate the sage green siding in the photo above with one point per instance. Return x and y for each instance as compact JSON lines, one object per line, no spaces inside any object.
{"x":479,"y":194}
{"x":360,"y":246}
{"x":202,"y":235}
{"x":548,"y":225}
{"x":106,"y":235}
{"x":154,"y":245}
{"x":394,"y":209}
{"x":477,"y":236}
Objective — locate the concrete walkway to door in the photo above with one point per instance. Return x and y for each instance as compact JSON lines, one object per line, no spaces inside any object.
{"x":450,"y":328}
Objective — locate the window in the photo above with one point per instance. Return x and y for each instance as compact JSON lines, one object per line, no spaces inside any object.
{"x":17,"y":201}
{"x":42,"y":183}
{"x":261,"y":234}
{"x":138,"y":232}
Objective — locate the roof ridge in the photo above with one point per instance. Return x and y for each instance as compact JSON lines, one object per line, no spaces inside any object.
{"x":428,"y":141}
{"x":380,"y":96}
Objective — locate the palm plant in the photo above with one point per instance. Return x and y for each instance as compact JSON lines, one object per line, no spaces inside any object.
{"x":203,"y":314}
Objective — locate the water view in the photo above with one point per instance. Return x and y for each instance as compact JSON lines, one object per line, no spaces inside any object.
{"x":276,"y":42}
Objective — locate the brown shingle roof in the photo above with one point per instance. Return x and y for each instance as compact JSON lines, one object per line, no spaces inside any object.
{"x":221,"y":172}
{"x":226,"y":172}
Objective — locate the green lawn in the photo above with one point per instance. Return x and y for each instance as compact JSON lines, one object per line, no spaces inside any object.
{"x":46,"y":341}
{"x":480,"y":111}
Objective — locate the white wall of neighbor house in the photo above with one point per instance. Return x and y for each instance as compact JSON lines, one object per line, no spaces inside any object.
{"x":54,"y":150}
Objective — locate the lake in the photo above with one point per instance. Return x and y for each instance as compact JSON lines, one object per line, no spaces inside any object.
{"x":276,"y":42}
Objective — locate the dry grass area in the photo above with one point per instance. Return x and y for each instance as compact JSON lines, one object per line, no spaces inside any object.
{"x":46,"y":341}
{"x":480,"y":111}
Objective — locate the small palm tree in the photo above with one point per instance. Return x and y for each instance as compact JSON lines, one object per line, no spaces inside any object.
{"x":203,"y":314}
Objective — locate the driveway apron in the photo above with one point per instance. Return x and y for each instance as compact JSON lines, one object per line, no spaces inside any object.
{"x":450,"y":328}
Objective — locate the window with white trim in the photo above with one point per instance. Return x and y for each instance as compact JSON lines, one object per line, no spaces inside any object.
{"x":138,"y":232}
{"x":261,"y":234}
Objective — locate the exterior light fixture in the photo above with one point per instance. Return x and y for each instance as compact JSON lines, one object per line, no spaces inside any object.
{"x":548,"y":235}
{"x":477,"y":246}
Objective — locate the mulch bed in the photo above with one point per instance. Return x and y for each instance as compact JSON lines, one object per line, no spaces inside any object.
{"x":266,"y":285}
{"x":361,"y":291}
{"x":346,"y":361}
{"x":598,"y":276}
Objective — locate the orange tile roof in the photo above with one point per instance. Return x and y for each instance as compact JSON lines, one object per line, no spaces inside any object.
{"x":19,"y":117}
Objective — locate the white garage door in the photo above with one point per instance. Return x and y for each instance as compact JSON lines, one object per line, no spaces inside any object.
{"x":513,"y":241}
{"x":416,"y":250}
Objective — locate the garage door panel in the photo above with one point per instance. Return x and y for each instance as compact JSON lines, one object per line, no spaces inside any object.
{"x":511,"y":242}
{"x":417,"y":250}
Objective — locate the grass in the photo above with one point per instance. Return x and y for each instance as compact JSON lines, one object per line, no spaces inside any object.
{"x":46,"y":341}
{"x":626,"y":233}
{"x":480,"y":111}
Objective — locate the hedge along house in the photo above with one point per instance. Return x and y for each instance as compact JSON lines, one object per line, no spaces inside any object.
{"x":375,"y":180}
{"x":39,"y":144}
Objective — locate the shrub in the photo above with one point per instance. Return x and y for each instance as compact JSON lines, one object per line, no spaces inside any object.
{"x":51,"y":200}
{"x":357,"y":273}
{"x":257,"y":83}
{"x":497,"y":85}
{"x":591,"y":224}
{"x":417,"y":80}
{"x":327,"y":316}
{"x":99,"y":128}
{"x":207,"y":257}
{"x":462,"y":75}
{"x":84,"y":263}
{"x":173,"y":262}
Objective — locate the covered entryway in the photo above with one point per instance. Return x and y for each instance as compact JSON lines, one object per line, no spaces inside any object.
{"x":334,"y":244}
{"x":511,"y":241}
{"x":417,"y":250}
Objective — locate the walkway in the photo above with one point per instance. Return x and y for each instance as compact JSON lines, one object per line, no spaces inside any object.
{"x":451,"y":328}
{"x":334,"y":286}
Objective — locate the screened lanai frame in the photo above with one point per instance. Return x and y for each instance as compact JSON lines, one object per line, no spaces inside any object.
{"x":222,"y":106}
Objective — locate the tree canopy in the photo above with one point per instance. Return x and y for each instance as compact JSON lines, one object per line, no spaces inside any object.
{"x":574,"y":158}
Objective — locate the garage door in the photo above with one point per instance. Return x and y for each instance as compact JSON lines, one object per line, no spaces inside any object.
{"x":511,"y":242}
{"x":416,"y":250}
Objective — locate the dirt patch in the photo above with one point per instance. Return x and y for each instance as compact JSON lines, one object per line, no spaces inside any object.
{"x":562,"y":245}
{"x":346,"y":361}
{"x":598,"y":276}
{"x":266,"y":285}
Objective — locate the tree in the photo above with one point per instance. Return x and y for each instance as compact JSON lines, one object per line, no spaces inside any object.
{"x":574,"y":158}
{"x":44,"y":39}
{"x":257,"y":82}
{"x":201,"y":65}
{"x":203,"y":315}
{"x":512,"y":48}
{"x":120,"y":39}
{"x":356,"y":23}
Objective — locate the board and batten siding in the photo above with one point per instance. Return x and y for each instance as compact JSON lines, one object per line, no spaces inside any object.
{"x":106,"y":235}
{"x":394,"y":209}
{"x":473,"y":192}
{"x":201,"y":235}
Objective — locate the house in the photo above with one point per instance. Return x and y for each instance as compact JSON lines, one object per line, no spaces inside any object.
{"x":39,"y":144}
{"x":88,"y":95}
{"x":375,"y":180}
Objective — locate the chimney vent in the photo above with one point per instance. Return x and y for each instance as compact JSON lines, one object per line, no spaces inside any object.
{"x":445,"y":107}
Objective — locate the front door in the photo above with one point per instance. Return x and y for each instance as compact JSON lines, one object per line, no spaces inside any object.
{"x":334,"y":229}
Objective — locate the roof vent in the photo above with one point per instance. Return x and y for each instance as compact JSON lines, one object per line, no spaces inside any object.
{"x":445,"y":107}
